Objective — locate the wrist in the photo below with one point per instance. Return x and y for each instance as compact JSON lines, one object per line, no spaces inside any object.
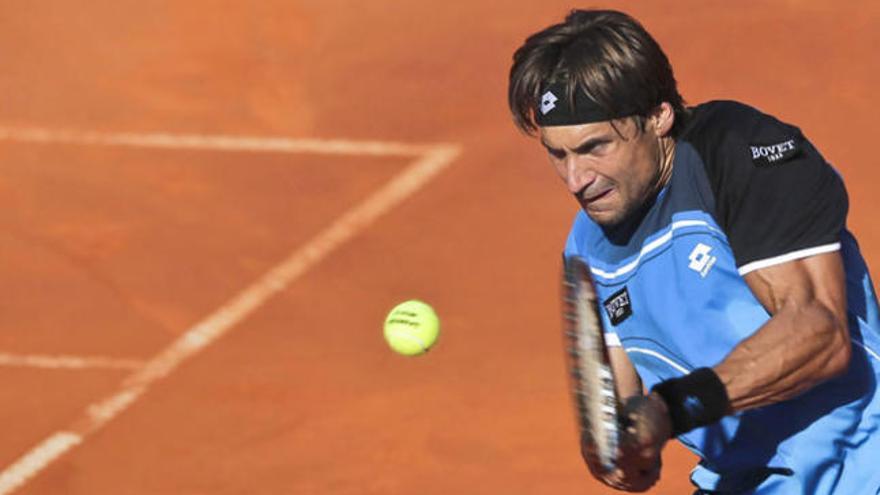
{"x":694,"y":400}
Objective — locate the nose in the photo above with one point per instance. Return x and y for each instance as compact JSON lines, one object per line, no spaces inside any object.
{"x":577,"y":175}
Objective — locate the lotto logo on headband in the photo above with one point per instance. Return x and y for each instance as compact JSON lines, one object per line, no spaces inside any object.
{"x":548,"y":102}
{"x":561,"y":105}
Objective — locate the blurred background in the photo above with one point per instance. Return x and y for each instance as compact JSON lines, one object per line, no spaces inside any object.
{"x":110,"y":253}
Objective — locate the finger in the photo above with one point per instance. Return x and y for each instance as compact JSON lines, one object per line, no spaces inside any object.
{"x":638,"y":481}
{"x":635,"y":476}
{"x":615,"y":479}
{"x":646,"y":478}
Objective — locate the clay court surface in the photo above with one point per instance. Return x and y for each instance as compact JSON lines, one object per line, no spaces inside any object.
{"x":207,"y":208}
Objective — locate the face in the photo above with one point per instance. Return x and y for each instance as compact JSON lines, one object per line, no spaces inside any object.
{"x":610,"y":174}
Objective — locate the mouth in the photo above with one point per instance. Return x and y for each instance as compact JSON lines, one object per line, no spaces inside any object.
{"x":597,"y":197}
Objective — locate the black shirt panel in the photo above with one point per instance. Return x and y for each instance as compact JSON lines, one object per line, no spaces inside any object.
{"x":774,"y":193}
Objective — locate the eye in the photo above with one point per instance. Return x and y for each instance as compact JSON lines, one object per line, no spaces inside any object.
{"x":558,"y":154}
{"x":600,"y":148}
{"x":593,"y":147}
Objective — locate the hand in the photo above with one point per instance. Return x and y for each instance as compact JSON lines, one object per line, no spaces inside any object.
{"x":645,"y":431}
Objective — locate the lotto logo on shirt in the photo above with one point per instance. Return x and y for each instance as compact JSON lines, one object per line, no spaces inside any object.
{"x":701,"y":260}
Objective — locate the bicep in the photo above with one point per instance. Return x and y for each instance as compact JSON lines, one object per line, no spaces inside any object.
{"x":816,"y":280}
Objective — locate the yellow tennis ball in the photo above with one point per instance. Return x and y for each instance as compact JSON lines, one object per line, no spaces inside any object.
{"x":411,"y":328}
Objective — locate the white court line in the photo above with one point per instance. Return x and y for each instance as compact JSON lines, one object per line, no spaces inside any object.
{"x":215,"y":142}
{"x":431,"y":162}
{"x":68,"y":362}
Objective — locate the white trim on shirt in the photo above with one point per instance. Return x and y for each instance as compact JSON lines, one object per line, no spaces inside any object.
{"x":652,"y":353}
{"x":794,"y":255}
{"x":652,"y":246}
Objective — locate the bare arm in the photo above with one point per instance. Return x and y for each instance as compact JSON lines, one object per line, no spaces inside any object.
{"x":804,"y":343}
{"x":626,"y":378}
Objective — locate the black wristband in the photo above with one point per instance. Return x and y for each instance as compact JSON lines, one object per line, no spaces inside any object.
{"x":694,"y":400}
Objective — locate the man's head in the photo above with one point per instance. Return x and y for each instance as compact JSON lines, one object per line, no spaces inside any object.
{"x":601,"y":94}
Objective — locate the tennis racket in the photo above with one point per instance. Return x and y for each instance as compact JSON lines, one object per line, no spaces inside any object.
{"x":592,"y":378}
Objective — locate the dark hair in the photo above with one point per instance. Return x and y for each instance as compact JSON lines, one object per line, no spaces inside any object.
{"x":604,"y":53}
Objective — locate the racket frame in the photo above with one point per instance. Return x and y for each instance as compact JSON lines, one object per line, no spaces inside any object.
{"x":594,"y":391}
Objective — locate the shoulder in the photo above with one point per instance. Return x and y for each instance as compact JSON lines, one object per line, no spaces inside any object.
{"x":774,"y":194}
{"x":730,"y":127}
{"x":738,"y":143}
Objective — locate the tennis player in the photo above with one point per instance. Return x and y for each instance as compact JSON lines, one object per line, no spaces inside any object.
{"x":741,"y":315}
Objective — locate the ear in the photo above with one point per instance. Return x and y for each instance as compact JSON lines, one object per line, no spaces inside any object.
{"x":662,"y":119}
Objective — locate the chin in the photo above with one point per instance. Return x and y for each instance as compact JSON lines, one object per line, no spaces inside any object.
{"x":607,"y":212}
{"x":612,"y":215}
{"x":605,"y":218}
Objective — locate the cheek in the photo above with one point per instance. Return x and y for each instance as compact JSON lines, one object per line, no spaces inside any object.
{"x":624,"y":172}
{"x":633,"y":178}
{"x":643,"y":170}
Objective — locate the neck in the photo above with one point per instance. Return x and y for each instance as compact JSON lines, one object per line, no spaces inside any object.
{"x":667,"y":155}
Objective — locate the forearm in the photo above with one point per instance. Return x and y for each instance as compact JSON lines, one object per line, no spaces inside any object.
{"x":794,"y":351}
{"x":626,"y":380}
